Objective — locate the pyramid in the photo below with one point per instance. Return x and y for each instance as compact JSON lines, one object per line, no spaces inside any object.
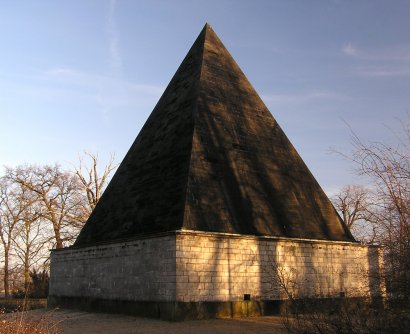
{"x":210,"y":205}
{"x":212,"y":158}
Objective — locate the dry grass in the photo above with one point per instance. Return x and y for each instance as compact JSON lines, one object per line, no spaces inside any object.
{"x":349,"y":320}
{"x":26,"y":323}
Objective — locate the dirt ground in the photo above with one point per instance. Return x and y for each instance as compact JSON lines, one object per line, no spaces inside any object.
{"x":75,"y":322}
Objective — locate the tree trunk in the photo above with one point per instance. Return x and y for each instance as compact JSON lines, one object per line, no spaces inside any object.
{"x":26,"y":272}
{"x":6,"y":274}
{"x":59,"y":241}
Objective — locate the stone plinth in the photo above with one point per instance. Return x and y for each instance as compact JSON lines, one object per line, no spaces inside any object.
{"x":187,"y":274}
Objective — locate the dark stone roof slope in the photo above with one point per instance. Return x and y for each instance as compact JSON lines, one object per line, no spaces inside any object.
{"x":212,"y":158}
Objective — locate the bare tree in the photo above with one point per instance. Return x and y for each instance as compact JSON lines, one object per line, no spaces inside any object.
{"x":92,"y":179}
{"x":14,"y":201}
{"x":351,"y":202}
{"x":43,"y":207}
{"x":59,"y":193}
{"x":31,"y":241}
{"x":354,"y":204}
{"x":388,"y":168}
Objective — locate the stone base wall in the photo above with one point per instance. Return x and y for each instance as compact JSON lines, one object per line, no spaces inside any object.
{"x":185,"y":269}
{"x":219,"y":267}
{"x":142,"y":269}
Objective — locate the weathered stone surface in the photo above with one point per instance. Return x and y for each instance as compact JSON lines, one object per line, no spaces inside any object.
{"x":221,"y":267}
{"x":142,"y":269}
{"x":212,"y":158}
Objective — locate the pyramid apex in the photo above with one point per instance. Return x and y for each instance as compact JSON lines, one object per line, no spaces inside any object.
{"x":207,"y":27}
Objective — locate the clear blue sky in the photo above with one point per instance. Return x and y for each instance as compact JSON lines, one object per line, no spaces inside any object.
{"x":84,"y":75}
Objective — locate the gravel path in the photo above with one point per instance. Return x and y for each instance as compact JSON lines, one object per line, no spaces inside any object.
{"x":75,"y":322}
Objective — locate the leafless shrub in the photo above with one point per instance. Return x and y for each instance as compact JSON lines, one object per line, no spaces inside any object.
{"x":25,"y":323}
{"x":310,"y":316}
{"x":384,"y":205}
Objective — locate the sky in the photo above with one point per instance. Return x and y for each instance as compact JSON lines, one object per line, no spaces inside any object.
{"x":80,"y":75}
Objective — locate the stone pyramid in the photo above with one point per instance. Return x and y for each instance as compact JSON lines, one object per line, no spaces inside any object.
{"x":212,"y":158}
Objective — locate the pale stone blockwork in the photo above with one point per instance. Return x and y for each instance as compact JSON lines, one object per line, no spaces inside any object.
{"x":187,"y":266}
{"x":142,"y":270}
{"x":223,"y":267}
